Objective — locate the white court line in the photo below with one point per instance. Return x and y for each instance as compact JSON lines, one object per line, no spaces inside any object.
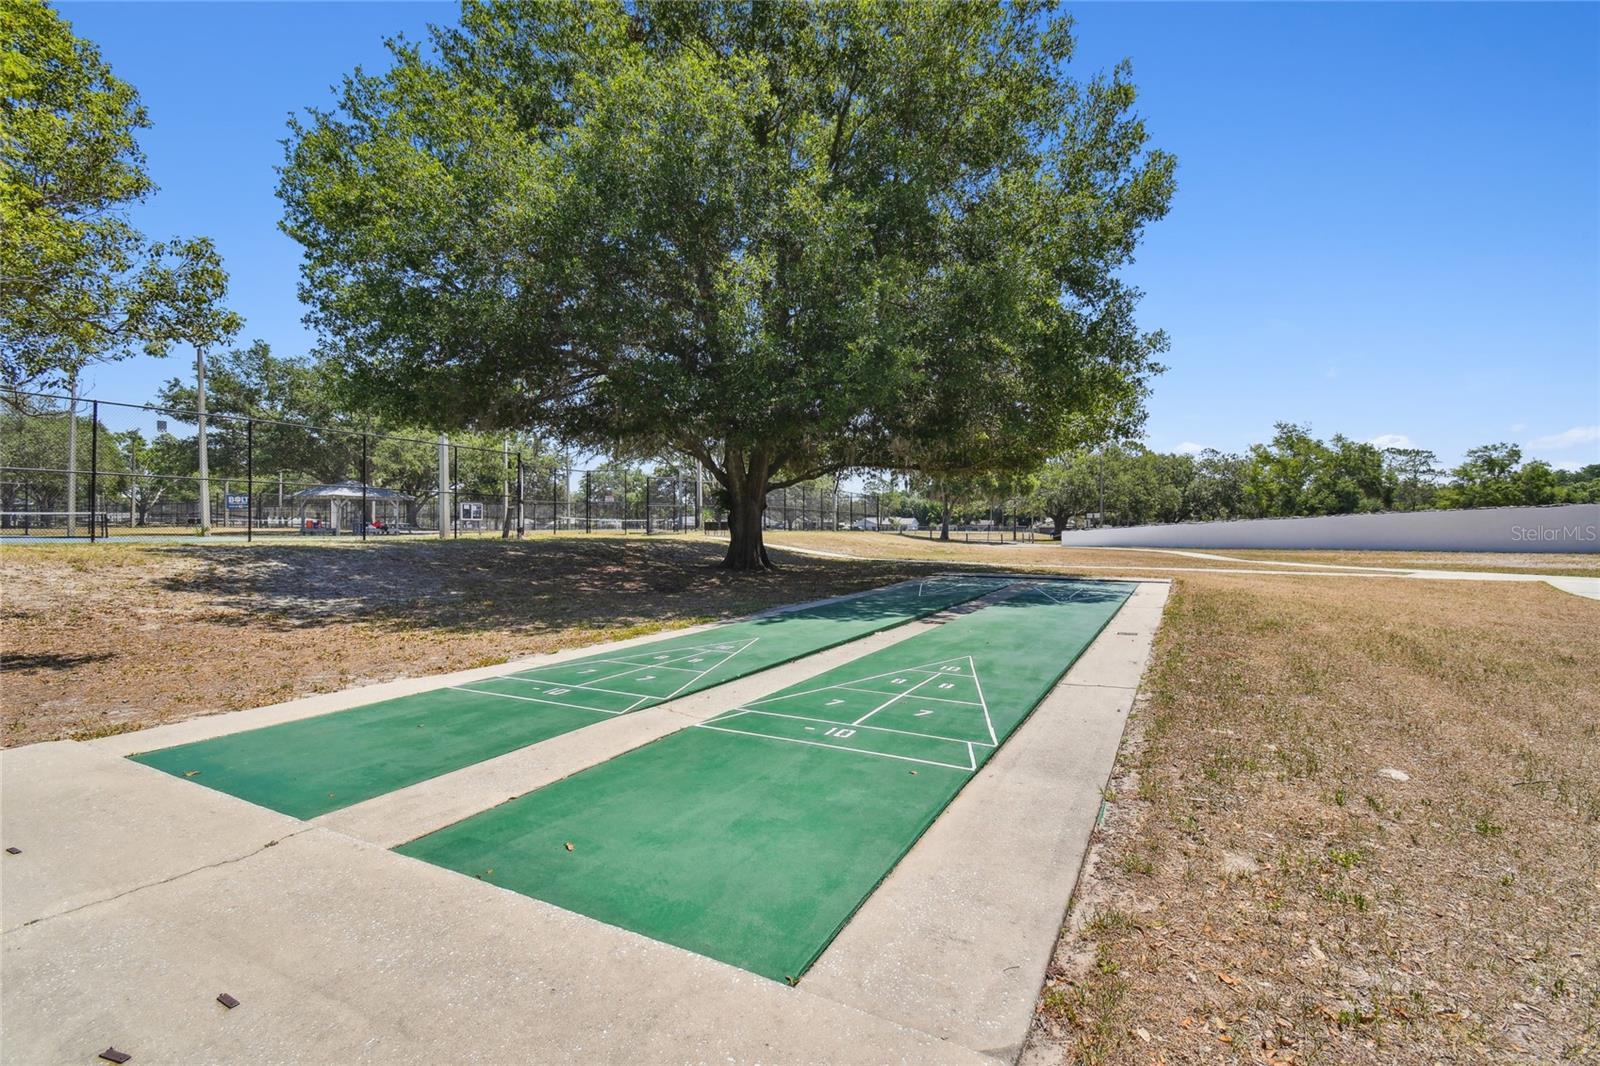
{"x":869,"y":691}
{"x":838,"y":747}
{"x":1071,"y":597}
{"x":984,"y":702}
{"x":832,"y":721}
{"x":927,"y":668}
{"x":575,"y":684}
{"x":638,"y":699}
{"x":667,"y":665}
{"x":724,"y":662}
{"x":531,"y":699}
{"x":958,"y":584}
{"x":896,"y":699}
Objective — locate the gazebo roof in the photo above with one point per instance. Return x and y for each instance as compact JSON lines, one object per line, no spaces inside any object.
{"x":347,"y":490}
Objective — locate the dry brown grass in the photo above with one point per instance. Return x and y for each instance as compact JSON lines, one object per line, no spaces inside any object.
{"x":1040,"y":555}
{"x":1262,"y":893}
{"x":1566,"y":564}
{"x":107,"y":638}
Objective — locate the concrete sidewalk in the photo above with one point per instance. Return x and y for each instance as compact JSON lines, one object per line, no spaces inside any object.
{"x":138,"y":897}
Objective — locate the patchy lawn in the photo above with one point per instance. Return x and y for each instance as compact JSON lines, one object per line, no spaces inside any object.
{"x":1351,"y":822}
{"x":101,"y":639}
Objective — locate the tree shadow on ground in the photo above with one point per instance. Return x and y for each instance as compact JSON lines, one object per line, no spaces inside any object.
{"x":508,"y":586}
{"x":49,"y":661}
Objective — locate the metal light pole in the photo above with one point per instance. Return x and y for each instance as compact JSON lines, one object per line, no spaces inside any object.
{"x":1101,"y":521}
{"x":200,"y":411}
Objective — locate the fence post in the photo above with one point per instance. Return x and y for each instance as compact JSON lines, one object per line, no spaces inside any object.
{"x":555,"y":504}
{"x":94,"y":465}
{"x":444,"y":484}
{"x":249,"y":479}
{"x":647,"y":529}
{"x":521,"y":488}
{"x":587,"y":486}
{"x":363,"y":485}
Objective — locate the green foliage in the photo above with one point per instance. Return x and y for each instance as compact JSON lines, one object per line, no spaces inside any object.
{"x":1294,"y":475}
{"x":783,"y":239}
{"x":81,"y":283}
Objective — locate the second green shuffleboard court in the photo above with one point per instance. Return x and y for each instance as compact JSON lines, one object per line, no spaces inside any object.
{"x":754,"y":836}
{"x":315,"y":765}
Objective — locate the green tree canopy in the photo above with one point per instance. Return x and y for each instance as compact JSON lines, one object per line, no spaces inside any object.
{"x":78,"y":282}
{"x":785,"y":239}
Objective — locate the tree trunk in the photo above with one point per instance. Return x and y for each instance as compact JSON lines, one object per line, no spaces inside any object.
{"x":746,"y":551}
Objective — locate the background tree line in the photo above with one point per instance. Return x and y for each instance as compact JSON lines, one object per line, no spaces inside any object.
{"x":1295,"y":474}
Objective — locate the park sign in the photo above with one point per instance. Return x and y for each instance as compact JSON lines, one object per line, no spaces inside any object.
{"x":240,"y":500}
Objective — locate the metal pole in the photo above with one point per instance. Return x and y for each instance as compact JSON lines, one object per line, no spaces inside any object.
{"x":555,"y":503}
{"x":363,"y":486}
{"x":587,"y":527}
{"x":94,"y":465}
{"x":200,"y":409}
{"x":699,"y":496}
{"x":1101,"y":521}
{"x":521,"y":491}
{"x":444,"y":482}
{"x":647,"y":528}
{"x":455,"y":491}
{"x":250,"y":479}
{"x":72,"y":457}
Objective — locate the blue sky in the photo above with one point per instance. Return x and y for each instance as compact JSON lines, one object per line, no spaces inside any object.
{"x":1387,"y":221}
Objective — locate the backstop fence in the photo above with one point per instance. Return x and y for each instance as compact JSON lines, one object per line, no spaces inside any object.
{"x":84,"y":469}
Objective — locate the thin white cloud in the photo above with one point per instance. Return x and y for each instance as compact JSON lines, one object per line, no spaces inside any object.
{"x":1518,"y":427}
{"x":1571,"y":466}
{"x":1568,"y":438}
{"x":1391,"y":440}
{"x":1189,"y":447}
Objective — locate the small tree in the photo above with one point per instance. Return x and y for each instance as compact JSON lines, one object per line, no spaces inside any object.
{"x":81,"y":283}
{"x":1415,"y":472}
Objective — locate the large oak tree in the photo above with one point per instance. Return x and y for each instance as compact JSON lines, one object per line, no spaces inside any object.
{"x":786,"y":239}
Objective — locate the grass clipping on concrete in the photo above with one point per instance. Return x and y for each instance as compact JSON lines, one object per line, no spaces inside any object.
{"x":1351,"y":822}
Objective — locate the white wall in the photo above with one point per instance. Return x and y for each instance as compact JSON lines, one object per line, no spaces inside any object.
{"x":1568,"y":528}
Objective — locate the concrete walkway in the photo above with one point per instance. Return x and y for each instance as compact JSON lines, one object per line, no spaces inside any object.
{"x":137,"y":898}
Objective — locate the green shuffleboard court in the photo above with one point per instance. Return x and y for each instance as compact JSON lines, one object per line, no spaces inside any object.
{"x":321,"y":764}
{"x":754,"y":836}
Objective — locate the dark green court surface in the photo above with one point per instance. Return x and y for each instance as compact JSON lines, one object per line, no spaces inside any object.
{"x":753,"y":837}
{"x":321,"y":764}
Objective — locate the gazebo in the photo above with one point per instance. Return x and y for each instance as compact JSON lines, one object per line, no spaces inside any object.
{"x":342,"y":501}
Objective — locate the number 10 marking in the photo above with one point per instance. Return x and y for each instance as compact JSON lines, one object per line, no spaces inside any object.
{"x":841,"y":733}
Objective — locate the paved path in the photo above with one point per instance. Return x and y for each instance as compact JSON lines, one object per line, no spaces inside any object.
{"x":137,"y":898}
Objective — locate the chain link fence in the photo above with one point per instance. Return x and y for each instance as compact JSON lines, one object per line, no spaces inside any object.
{"x":73,"y":468}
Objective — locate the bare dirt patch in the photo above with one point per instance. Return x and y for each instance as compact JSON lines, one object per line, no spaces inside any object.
{"x":1352,"y":822}
{"x":107,"y":638}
